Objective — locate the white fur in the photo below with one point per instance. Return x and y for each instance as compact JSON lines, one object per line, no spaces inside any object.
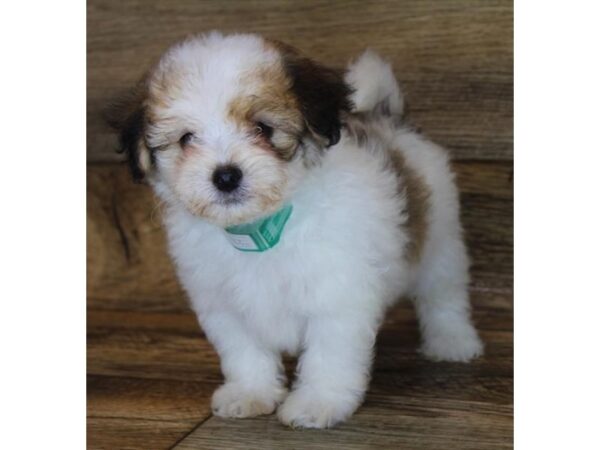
{"x":375,"y":83}
{"x":322,"y":291}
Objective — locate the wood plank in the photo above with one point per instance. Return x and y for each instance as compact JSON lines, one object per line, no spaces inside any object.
{"x":152,"y":353}
{"x":143,"y":413}
{"x":454,"y":59}
{"x":129,"y":267}
{"x":411,"y":403}
{"x":404,"y":423}
{"x":150,"y":399}
{"x":152,"y":374}
{"x":110,"y":433}
{"x":179,"y":322}
{"x":129,"y":405}
{"x":172,"y":346}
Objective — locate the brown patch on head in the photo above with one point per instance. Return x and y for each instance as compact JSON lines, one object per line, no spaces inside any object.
{"x":272,"y":103}
{"x":321,"y":92}
{"x":323,"y":96}
{"x":417,"y":195}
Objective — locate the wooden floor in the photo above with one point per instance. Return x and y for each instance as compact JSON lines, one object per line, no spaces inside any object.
{"x":151,"y":371}
{"x":151,"y":376}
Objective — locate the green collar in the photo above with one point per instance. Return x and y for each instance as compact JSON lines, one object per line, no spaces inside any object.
{"x":260,"y":235}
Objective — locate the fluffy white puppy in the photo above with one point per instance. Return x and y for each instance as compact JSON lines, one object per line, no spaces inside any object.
{"x":298,"y":208}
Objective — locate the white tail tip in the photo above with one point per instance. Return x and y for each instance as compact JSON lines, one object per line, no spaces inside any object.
{"x":375,"y":86}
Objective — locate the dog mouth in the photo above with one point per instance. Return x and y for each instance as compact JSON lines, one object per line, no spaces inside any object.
{"x":229,"y":201}
{"x":232,"y":199}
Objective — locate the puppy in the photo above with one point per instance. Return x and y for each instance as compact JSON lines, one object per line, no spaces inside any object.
{"x":298,"y":207}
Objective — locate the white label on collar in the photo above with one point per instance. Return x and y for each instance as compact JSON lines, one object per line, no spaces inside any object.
{"x":242,"y":242}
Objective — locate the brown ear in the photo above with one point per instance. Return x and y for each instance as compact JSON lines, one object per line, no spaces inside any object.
{"x":127,"y":117}
{"x":322,"y":93}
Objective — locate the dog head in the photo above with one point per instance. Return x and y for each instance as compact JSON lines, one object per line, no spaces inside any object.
{"x":227,"y":125}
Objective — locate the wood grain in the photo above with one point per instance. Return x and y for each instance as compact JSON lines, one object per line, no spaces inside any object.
{"x":151,"y":375}
{"x":405,"y":424}
{"x":411,"y":403}
{"x":152,"y":354}
{"x":110,"y":433}
{"x":151,"y":399}
{"x":487,"y":217}
{"x":150,"y":378}
{"x":127,"y":257}
{"x":454,"y":59}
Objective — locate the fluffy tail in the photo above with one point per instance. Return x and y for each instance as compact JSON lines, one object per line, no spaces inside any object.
{"x":374,"y":84}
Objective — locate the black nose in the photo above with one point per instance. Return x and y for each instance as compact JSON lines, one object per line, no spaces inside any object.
{"x":227,"y":178}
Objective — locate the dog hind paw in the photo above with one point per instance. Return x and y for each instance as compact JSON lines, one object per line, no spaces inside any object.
{"x":458,"y":345}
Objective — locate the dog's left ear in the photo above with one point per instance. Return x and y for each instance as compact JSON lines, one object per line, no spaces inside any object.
{"x":322,"y":93}
{"x":127,"y":116}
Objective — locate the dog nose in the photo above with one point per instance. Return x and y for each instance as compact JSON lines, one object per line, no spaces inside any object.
{"x":227,"y":178}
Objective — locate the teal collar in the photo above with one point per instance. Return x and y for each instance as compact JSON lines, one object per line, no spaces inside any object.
{"x":260,"y":235}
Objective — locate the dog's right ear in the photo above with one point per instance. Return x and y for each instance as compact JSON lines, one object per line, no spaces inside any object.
{"x":322,"y":93}
{"x":127,"y":117}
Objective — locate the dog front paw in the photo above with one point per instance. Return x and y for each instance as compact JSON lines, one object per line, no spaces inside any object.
{"x":235,"y":401}
{"x":305,"y":408}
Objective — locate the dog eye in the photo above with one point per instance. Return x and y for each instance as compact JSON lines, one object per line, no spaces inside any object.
{"x":186,"y":139}
{"x":264,"y":130}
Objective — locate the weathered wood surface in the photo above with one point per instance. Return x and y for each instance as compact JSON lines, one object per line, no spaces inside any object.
{"x":453,"y":58}
{"x":398,"y":423}
{"x":151,"y":374}
{"x":150,"y":378}
{"x":129,"y":267}
{"x":125,"y":412}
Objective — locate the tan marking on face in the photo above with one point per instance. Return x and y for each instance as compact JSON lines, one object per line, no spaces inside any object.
{"x":417,"y":205}
{"x":272,"y":102}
